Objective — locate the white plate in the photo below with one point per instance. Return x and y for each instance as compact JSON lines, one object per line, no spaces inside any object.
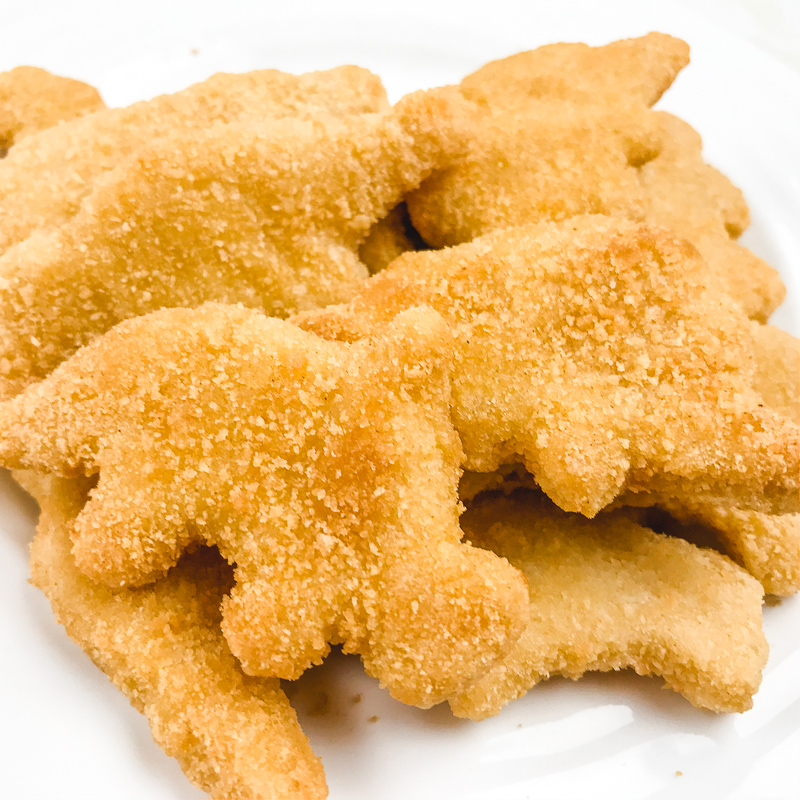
{"x":68,"y":734}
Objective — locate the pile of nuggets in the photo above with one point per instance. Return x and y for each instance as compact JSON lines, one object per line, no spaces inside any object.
{"x":478,"y":386}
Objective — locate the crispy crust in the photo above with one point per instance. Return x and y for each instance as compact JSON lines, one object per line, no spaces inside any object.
{"x":326,"y":473}
{"x":608,"y":594}
{"x":700,"y":204}
{"x":766,"y":545}
{"x":235,"y":737}
{"x":603,"y":355}
{"x":75,"y":156}
{"x":32,"y":99}
{"x":558,"y":132}
{"x":271,"y":218}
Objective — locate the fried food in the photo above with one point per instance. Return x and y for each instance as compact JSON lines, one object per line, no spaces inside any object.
{"x":388,"y":239}
{"x":566,"y":130}
{"x":234,"y":736}
{"x":602,"y":354}
{"x":623,"y":73}
{"x":73,"y":157}
{"x":559,"y":132}
{"x":269,"y":218}
{"x":777,"y":377}
{"x":32,"y":99}
{"x":230,"y":488}
{"x":608,"y":594}
{"x":766,"y":545}
{"x":326,"y":473}
{"x":698,"y":203}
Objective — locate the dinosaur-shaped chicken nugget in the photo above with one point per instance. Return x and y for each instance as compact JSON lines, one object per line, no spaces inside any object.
{"x":45,"y":179}
{"x":600,"y":352}
{"x":625,"y":72}
{"x":559,"y":131}
{"x":608,"y":594}
{"x":32,"y":99}
{"x":234,"y":736}
{"x":766,"y":545}
{"x":326,"y":473}
{"x":567,"y":129}
{"x":271,"y":218}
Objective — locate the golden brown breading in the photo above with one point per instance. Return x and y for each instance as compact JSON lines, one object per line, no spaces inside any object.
{"x":700,"y":204}
{"x":388,"y":239}
{"x":766,"y":545}
{"x":603,"y":355}
{"x":778,"y":369}
{"x":268,"y":215}
{"x":234,"y":736}
{"x":607,"y":594}
{"x":559,"y":131}
{"x":326,"y":473}
{"x":32,"y":99}
{"x":46,"y":178}
{"x":621,"y":73}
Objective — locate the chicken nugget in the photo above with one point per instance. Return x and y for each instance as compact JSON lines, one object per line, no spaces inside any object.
{"x":32,"y":99}
{"x":603,"y":355}
{"x":608,"y":594}
{"x":625,"y":72}
{"x":48,"y":176}
{"x":559,"y":131}
{"x":234,"y":736}
{"x":777,"y":377}
{"x":766,"y":545}
{"x":326,"y":473}
{"x":270,"y":218}
{"x":567,"y":129}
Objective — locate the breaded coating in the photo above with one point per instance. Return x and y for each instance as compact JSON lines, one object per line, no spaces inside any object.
{"x":624,"y":72}
{"x":234,"y":736}
{"x":388,"y":239}
{"x":326,"y":473}
{"x":559,"y":132}
{"x":608,"y":594}
{"x":271,"y":216}
{"x":778,"y":369}
{"x":44,"y":181}
{"x":32,"y":99}
{"x":766,"y":545}
{"x":603,"y":355}
{"x":698,"y":203}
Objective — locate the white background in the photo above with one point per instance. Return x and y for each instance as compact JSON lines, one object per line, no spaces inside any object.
{"x":66,"y":733}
